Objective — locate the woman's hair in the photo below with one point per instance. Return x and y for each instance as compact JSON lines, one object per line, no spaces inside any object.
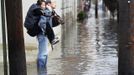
{"x":39,"y":2}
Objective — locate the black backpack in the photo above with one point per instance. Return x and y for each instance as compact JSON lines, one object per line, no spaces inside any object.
{"x":32,"y":19}
{"x":34,"y":31}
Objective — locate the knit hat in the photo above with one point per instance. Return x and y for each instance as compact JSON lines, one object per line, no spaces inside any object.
{"x":48,"y":1}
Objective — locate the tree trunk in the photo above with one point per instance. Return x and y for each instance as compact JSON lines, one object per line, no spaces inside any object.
{"x":17,"y":60}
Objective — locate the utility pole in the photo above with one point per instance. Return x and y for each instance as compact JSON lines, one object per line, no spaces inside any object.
{"x":96,"y":8}
{"x":4,"y":37}
{"x":126,"y":37}
{"x":17,"y":60}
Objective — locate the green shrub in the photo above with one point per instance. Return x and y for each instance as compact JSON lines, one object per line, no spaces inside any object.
{"x":81,"y":16}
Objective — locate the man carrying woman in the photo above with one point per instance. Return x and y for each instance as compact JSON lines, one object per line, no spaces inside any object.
{"x":45,"y":23}
{"x":43,"y":11}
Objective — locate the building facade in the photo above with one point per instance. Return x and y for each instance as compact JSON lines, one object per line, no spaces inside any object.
{"x":67,"y":9}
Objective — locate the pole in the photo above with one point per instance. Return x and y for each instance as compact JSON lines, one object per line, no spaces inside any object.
{"x":96,"y":8}
{"x":4,"y":37}
{"x":17,"y":60}
{"x":126,"y":38}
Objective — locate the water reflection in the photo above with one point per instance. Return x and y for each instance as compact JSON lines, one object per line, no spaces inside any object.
{"x":88,"y":49}
{"x":42,"y":71}
{"x":69,"y":40}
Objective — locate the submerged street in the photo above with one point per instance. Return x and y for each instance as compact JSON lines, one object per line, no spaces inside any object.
{"x":95,"y":37}
{"x":87,"y":49}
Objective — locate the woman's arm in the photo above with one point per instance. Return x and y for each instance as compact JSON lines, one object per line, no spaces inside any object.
{"x":47,"y":13}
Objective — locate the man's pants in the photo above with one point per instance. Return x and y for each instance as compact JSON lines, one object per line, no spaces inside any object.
{"x":42,"y":53}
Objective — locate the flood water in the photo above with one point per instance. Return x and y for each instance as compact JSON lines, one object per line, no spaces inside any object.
{"x":87,"y":49}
